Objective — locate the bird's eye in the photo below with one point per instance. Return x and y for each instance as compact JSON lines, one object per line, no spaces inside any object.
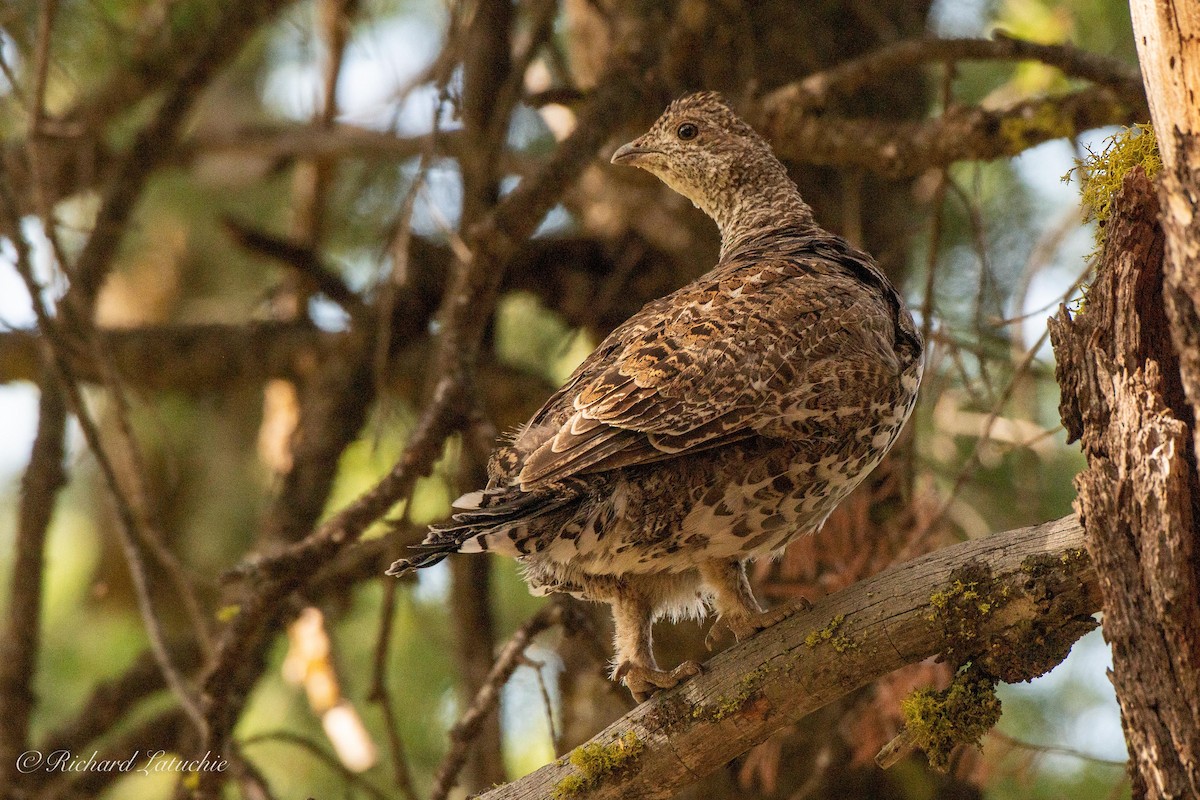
{"x":687,"y":131}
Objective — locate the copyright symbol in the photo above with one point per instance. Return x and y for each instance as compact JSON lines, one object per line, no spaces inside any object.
{"x":29,"y":761}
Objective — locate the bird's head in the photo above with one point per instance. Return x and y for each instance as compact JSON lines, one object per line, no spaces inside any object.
{"x":701,"y":149}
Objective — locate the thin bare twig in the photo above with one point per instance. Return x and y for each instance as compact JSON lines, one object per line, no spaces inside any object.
{"x":1058,"y":750}
{"x":973,"y":462}
{"x":547,"y":706}
{"x":463,"y":733}
{"x":1079,"y":280}
{"x":381,"y":695}
{"x":399,"y":244}
{"x":978,"y":229}
{"x":933,"y":258}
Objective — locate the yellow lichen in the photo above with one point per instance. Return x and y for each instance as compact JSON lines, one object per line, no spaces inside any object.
{"x":829,"y":633}
{"x":595,"y":761}
{"x":938,"y":722}
{"x":1041,"y":124}
{"x":962,"y":606}
{"x":722,"y":707}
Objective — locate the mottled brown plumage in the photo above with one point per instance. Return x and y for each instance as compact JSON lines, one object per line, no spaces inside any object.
{"x":717,"y":424}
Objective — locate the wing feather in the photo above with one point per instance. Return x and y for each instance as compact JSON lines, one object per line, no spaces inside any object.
{"x":666,"y":384}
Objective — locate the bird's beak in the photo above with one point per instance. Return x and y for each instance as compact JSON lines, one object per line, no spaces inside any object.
{"x":632,"y":153}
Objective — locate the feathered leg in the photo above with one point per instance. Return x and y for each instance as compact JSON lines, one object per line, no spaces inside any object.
{"x":635,"y":664}
{"x":736,"y":607}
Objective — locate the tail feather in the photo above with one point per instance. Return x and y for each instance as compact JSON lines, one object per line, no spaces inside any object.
{"x":482,"y":523}
{"x":404,"y":566}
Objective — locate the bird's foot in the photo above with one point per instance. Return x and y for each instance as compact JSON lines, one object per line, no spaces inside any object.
{"x":643,"y":682}
{"x":743,"y":626}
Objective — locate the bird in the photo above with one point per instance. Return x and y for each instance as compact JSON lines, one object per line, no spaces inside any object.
{"x":715,"y":425}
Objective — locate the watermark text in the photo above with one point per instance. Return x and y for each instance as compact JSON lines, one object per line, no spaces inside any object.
{"x":143,"y":763}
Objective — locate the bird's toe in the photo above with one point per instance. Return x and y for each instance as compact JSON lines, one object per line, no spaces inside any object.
{"x":743,"y":627}
{"x":643,"y":681}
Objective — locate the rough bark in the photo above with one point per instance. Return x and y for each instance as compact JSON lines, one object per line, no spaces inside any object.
{"x":1035,"y":591}
{"x":1122,"y":398}
{"x":1168,"y":42}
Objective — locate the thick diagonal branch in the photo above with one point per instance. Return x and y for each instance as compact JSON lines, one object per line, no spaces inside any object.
{"x":1031,"y":594}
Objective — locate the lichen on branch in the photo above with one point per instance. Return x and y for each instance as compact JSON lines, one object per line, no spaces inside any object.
{"x":938,"y":722}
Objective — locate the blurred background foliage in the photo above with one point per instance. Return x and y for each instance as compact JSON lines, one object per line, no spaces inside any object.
{"x":987,"y":452}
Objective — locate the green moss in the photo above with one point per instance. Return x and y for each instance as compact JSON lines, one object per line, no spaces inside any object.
{"x":570,"y":786}
{"x":596,"y":761}
{"x":1103,"y":173}
{"x":940,"y":721}
{"x":830,"y":633}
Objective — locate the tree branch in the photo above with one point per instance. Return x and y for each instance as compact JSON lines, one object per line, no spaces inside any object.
{"x":154,"y":143}
{"x":1013,"y":603}
{"x":213,"y":358}
{"x":906,"y":149}
{"x":816,"y":90}
{"x":21,"y":648}
{"x":487,"y":698}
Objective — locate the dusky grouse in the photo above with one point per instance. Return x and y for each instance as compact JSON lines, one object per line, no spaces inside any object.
{"x":717,"y":424}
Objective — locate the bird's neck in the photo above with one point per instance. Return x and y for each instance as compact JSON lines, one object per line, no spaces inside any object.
{"x":758,"y":204}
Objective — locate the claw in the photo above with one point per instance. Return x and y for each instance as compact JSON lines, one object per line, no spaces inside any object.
{"x":643,"y":682}
{"x":743,"y":627}
{"x":710,"y":638}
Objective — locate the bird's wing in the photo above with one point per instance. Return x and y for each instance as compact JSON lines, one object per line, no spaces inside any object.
{"x":692,"y":371}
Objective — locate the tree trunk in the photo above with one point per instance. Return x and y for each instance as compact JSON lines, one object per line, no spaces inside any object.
{"x":1129,"y":367}
{"x":1122,"y":397}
